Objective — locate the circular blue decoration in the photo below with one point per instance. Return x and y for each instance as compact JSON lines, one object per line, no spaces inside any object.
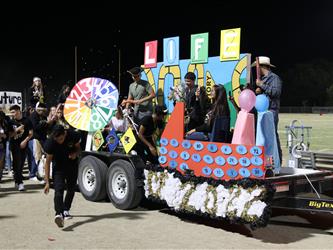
{"x":174,"y":143}
{"x":241,"y":149}
{"x":255,"y":160}
{"x":164,"y":141}
{"x":226,"y":150}
{"x":220,"y":160}
{"x":262,"y":103}
{"x":232,"y":160}
{"x":256,"y":150}
{"x":257,"y":172}
{"x":244,"y":172}
{"x":196,"y":157}
{"x":206,"y":171}
{"x":198,"y":146}
{"x":162,"y":159}
{"x":173,"y":154}
{"x":218,"y":172}
{"x":212,"y":148}
{"x":173,"y":164}
{"x":184,"y":155}
{"x":232,"y":173}
{"x":186,"y":144}
{"x":163,"y":150}
{"x":244,"y":161}
{"x":208,"y":159}
{"x":183,"y":166}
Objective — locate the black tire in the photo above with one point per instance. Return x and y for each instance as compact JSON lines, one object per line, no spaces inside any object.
{"x":94,"y":189}
{"x":122,"y":173}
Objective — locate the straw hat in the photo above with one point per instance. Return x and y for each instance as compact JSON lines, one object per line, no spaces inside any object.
{"x":264,"y":60}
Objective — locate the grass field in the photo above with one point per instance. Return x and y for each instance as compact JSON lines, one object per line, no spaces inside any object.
{"x":321,"y":134}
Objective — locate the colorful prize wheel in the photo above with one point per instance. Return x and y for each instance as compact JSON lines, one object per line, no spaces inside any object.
{"x":90,"y":104}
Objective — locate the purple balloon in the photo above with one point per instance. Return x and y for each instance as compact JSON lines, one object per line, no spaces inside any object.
{"x":247,"y":100}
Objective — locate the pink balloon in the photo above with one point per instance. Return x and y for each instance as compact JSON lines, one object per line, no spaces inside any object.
{"x":247,"y":100}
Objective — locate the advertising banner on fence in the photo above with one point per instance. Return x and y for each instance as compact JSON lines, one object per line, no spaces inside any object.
{"x":9,"y":98}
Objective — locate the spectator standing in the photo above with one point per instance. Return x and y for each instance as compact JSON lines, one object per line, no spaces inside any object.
{"x":21,"y":132}
{"x":64,"y":92}
{"x":37,"y":92}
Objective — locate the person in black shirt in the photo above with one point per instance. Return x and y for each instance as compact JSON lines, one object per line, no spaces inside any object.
{"x":21,"y":132}
{"x":195,"y":113}
{"x":219,"y":109}
{"x":4,"y":135}
{"x":147,"y":127}
{"x":40,"y":123}
{"x":63,"y":149}
{"x":64,"y":92}
{"x":40,"y":126}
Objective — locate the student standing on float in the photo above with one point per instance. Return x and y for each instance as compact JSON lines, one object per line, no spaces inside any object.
{"x":270,"y":84}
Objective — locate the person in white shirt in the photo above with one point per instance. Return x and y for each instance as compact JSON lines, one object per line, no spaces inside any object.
{"x":117,"y":122}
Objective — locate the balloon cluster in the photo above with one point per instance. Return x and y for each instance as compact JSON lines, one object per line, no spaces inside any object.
{"x":247,"y":100}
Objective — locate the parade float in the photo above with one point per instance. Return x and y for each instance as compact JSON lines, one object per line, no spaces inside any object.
{"x":226,"y":181}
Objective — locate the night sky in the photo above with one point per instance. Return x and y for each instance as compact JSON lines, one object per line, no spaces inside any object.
{"x":39,"y":40}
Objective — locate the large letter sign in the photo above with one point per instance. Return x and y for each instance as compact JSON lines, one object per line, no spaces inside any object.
{"x":171,"y":51}
{"x":150,"y":54}
{"x":230,"y":44}
{"x":199,"y":48}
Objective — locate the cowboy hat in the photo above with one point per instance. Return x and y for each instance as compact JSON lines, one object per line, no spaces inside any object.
{"x":263,"y":60}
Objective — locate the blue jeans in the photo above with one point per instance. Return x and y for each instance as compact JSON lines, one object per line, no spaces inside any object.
{"x":276,"y":123}
{"x":8,"y":158}
{"x":31,"y":160}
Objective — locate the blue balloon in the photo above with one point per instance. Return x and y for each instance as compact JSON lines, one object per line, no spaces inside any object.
{"x":262,"y":103}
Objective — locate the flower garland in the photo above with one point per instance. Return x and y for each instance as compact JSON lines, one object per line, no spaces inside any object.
{"x":245,"y":201}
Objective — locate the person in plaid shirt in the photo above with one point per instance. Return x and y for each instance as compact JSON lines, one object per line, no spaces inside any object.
{"x":270,"y":84}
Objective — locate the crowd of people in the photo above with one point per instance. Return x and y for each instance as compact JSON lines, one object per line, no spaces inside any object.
{"x":26,"y":136}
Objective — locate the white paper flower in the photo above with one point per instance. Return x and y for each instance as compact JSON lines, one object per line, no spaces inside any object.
{"x":257,"y":208}
{"x":173,"y":192}
{"x":198,"y":197}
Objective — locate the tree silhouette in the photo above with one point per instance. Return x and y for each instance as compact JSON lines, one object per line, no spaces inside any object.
{"x":308,"y":84}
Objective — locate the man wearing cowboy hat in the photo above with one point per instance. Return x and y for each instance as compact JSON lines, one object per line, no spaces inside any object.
{"x":270,"y":84}
{"x":140,"y":94}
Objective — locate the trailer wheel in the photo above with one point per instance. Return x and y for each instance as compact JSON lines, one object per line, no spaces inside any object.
{"x":91,"y":178}
{"x":122,"y":187}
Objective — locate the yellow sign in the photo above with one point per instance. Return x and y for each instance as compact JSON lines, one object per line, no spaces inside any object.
{"x":128,"y":140}
{"x":230,"y":44}
{"x":320,"y":204}
{"x":209,"y":84}
{"x":98,"y":139}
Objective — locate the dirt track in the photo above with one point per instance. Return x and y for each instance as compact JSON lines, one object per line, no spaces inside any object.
{"x":26,"y":220}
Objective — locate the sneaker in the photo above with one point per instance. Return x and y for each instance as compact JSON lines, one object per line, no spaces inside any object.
{"x":21,"y":187}
{"x":33,"y":179}
{"x":42,"y":182}
{"x":67,"y":216}
{"x":59,"y":220}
